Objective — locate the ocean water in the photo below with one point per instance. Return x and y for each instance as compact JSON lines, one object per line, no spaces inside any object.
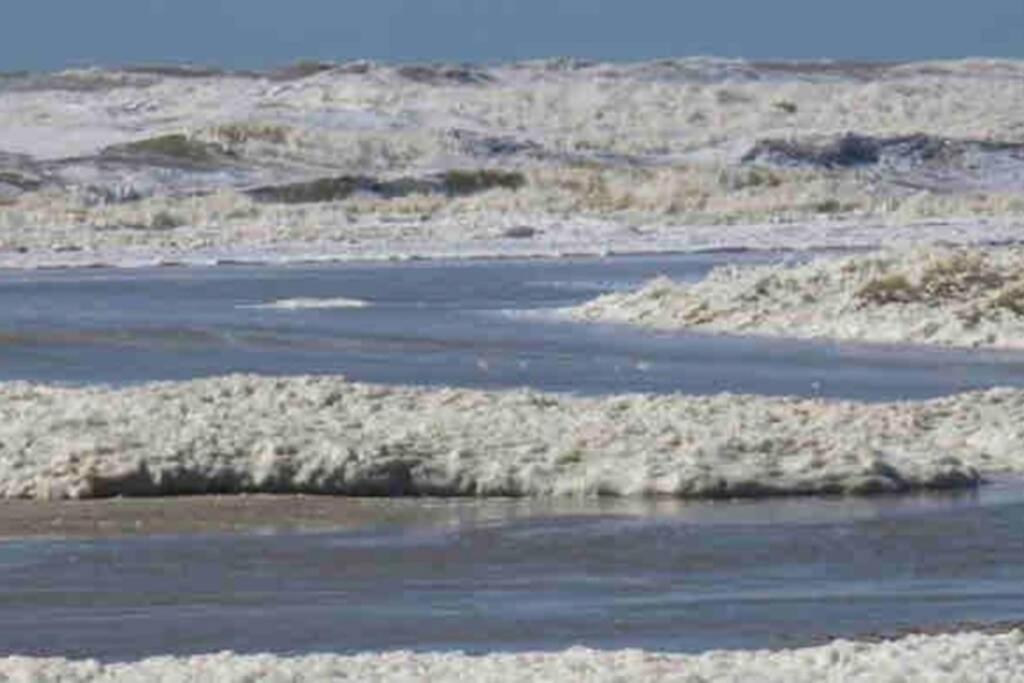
{"x":259,"y":33}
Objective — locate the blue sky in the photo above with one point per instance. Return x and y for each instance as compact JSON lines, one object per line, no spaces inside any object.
{"x":48,"y":34}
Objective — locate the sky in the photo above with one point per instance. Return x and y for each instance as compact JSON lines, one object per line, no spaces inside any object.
{"x":52,"y":34}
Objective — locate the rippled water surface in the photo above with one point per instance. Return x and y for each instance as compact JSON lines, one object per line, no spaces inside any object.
{"x":293,"y":576}
{"x":479,"y":324}
{"x":516,"y":575}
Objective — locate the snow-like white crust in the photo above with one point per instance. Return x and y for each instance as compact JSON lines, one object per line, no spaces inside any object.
{"x":960,"y":658}
{"x":326,"y":435}
{"x":635,"y":157}
{"x":954,"y":297}
{"x":479,"y":237}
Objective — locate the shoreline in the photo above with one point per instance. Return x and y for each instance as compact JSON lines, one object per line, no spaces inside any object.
{"x":107,"y":518}
{"x":661,"y":241}
{"x":242,"y":514}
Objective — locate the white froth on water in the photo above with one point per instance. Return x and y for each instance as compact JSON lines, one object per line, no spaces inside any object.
{"x":301,"y":303}
{"x":960,"y":658}
{"x":325,"y":435}
{"x":635,"y":157}
{"x":953,"y":297}
{"x":464,"y":238}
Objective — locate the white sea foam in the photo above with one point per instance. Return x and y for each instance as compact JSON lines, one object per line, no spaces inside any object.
{"x":326,"y":435}
{"x":954,"y":297}
{"x":643,"y":157}
{"x":300,"y":304}
{"x":463,"y":238}
{"x":961,"y":658}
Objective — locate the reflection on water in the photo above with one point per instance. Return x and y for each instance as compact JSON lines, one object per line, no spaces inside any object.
{"x":513,"y":575}
{"x":272,"y":514}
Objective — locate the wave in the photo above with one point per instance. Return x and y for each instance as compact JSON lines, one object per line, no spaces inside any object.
{"x":423,"y":159}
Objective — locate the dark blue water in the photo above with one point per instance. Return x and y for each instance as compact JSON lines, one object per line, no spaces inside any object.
{"x":475,"y":324}
{"x":48,"y":34}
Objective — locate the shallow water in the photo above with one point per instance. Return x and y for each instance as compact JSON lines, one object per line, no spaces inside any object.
{"x":133,"y":578}
{"x":521,"y":575}
{"x":477,"y":324}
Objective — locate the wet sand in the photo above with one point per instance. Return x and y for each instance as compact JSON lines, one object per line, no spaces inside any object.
{"x":301,"y":513}
{"x":212,"y":515}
